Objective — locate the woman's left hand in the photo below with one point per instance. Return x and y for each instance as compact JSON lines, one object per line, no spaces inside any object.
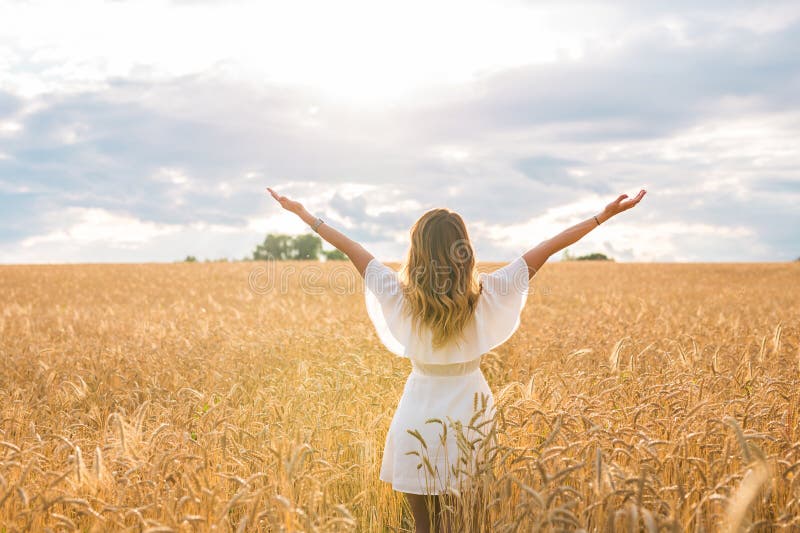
{"x":622,"y":203}
{"x":286,"y":203}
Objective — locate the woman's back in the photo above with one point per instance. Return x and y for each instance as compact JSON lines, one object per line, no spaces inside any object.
{"x":495,"y":318}
{"x":445,"y":382}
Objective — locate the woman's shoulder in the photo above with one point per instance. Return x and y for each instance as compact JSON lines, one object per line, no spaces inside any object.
{"x":379,"y":276}
{"x":511,"y":277}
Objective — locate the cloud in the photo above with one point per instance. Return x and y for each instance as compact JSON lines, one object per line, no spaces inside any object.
{"x":8,"y":104}
{"x":622,"y":238}
{"x":549,"y":170}
{"x":651,"y":87}
{"x":96,"y":235}
{"x":91,"y":226}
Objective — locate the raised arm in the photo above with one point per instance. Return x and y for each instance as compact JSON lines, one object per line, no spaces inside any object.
{"x":357,"y":254}
{"x":536,"y":256}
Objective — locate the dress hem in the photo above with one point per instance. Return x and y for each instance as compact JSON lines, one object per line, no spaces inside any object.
{"x":412,"y":490}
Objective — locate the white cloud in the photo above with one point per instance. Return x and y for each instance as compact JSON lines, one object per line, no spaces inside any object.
{"x":91,"y":226}
{"x":280,"y":222}
{"x":643,"y":241}
{"x":9,"y":127}
{"x":97,"y":235}
{"x":356,"y":50}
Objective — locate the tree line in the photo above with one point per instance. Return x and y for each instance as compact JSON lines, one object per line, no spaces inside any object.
{"x":594,"y":256}
{"x":306,"y":247}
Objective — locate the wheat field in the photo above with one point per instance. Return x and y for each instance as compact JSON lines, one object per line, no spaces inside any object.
{"x":194,"y":397}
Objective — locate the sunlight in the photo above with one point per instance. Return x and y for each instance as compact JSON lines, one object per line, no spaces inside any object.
{"x":353,"y":51}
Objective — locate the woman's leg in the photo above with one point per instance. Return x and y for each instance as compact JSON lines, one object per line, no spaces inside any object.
{"x":425,"y":510}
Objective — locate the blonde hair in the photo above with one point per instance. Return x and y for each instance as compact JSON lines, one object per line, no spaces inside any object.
{"x":439,"y":276}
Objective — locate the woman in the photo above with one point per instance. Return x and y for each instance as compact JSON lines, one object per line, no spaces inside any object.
{"x":443,"y":315}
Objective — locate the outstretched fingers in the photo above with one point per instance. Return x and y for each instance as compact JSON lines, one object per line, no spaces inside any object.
{"x":280,"y":198}
{"x":286,"y":203}
{"x":632,"y":202}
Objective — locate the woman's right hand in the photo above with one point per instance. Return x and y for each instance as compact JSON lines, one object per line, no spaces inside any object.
{"x":622,"y":204}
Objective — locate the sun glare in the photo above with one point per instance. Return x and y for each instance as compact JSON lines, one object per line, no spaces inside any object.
{"x":356,"y":51}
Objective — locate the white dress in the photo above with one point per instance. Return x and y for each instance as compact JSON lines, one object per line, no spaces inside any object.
{"x":445,"y":384}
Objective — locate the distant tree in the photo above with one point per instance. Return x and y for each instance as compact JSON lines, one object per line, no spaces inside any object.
{"x":275,"y":246}
{"x":190,"y":259}
{"x":596,"y":256}
{"x":306,"y":247}
{"x":283,"y":247}
{"x":335,"y":255}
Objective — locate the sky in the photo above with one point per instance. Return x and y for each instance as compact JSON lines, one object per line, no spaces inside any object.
{"x":136,"y":131}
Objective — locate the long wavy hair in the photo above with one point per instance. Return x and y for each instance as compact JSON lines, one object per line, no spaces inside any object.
{"x":439,"y":277}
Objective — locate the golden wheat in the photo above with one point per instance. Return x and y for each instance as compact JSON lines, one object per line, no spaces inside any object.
{"x":177,"y":398}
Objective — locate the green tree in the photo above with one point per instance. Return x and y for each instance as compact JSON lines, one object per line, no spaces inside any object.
{"x":281,"y":247}
{"x":335,"y":255}
{"x":596,"y":256}
{"x":306,"y":247}
{"x":275,"y":246}
{"x":190,"y":259}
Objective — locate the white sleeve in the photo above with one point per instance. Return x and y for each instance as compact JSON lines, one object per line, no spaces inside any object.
{"x":384,"y":299}
{"x":503,"y":297}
